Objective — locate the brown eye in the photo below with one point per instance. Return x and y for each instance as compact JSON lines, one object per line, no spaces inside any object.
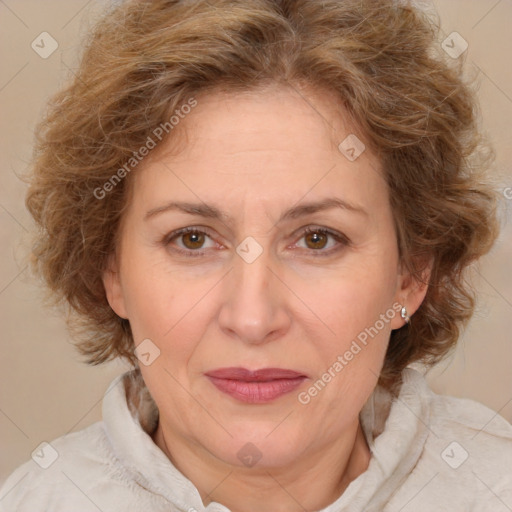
{"x":189,"y":242}
{"x":322,"y":241}
{"x":316,"y":239}
{"x":193,"y":240}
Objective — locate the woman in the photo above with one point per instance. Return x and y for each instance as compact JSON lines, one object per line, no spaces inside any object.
{"x":268,"y":208}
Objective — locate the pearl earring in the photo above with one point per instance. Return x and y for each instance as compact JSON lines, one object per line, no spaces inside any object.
{"x":404,"y":315}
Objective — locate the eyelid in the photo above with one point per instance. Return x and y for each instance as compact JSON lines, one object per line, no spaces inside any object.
{"x":183,"y":231}
{"x":340,"y":238}
{"x":189,"y":229}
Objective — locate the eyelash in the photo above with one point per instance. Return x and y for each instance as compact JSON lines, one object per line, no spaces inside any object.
{"x":340,"y":238}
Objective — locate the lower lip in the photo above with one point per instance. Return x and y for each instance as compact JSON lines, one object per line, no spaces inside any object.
{"x":257,"y":392}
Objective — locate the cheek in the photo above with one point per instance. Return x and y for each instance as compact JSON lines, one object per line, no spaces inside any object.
{"x":352,"y":297}
{"x":352,"y":303}
{"x":357,"y":306}
{"x":148,"y":303}
{"x":168,"y":307}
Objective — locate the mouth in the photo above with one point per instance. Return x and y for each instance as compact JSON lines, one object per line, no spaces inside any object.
{"x":259,"y":386}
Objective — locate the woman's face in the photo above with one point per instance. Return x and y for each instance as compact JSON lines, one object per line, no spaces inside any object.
{"x":246,"y":287}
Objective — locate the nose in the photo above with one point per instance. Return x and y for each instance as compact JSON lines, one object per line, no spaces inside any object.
{"x":254,"y":306}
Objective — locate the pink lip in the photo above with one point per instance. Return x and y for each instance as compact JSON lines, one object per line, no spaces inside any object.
{"x":257,"y":386}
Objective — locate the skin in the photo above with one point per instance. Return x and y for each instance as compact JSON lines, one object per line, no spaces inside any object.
{"x":254,"y":155}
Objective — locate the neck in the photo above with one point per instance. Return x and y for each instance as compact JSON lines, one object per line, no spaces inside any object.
{"x":315,"y":481}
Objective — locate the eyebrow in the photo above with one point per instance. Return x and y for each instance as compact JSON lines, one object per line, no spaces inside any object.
{"x":301,"y":210}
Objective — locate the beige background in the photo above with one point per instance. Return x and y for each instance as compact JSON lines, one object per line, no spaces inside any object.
{"x":45,"y":390}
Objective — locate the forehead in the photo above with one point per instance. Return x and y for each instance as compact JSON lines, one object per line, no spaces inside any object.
{"x":270,"y":118}
{"x":276,"y":144}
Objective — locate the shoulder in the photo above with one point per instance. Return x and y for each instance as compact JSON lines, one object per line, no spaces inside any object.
{"x":486,"y":432}
{"x":458,"y":418}
{"x":466,"y":459}
{"x":77,"y":471}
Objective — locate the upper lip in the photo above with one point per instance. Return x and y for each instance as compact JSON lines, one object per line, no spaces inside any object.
{"x":263,"y":374}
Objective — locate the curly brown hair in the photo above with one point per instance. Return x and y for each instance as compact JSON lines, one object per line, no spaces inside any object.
{"x":382,"y":58}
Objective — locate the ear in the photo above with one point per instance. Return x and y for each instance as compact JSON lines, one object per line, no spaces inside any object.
{"x":411,"y":290}
{"x":113,"y":288}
